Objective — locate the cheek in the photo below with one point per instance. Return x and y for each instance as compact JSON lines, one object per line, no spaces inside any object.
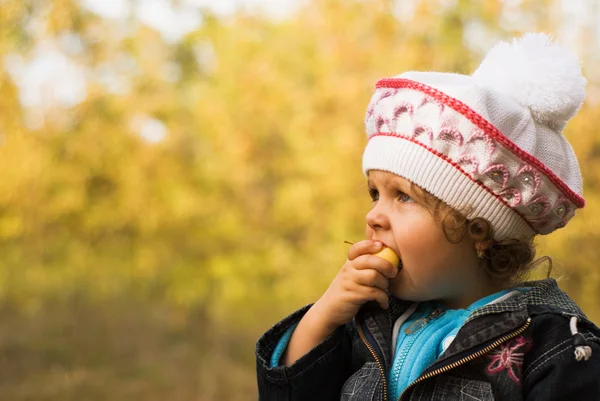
{"x":429,"y":255}
{"x":438,"y":256}
{"x":425,"y":241}
{"x":442,"y":266}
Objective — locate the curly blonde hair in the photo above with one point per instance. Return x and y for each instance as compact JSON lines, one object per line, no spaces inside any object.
{"x":507,"y":263}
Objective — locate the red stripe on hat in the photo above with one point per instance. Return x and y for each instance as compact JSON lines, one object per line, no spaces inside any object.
{"x":485,"y":125}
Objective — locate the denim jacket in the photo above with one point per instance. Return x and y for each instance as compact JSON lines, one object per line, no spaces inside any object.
{"x":519,"y":349}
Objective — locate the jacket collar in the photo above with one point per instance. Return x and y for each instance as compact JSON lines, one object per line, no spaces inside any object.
{"x":544,"y":293}
{"x":483,"y":325}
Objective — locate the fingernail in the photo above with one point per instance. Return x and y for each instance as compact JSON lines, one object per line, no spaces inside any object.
{"x":378,"y":244}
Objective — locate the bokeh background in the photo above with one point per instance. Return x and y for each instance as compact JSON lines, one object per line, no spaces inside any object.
{"x":177,"y":176}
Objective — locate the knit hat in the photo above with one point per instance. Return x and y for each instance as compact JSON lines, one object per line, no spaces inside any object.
{"x":491,"y":143}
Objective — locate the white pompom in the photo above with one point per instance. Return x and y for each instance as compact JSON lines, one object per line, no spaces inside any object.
{"x":538,"y":74}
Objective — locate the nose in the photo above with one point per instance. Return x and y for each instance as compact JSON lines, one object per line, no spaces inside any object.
{"x":377,"y":218}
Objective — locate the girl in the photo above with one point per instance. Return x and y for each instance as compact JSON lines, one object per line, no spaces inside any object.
{"x":463,"y":172}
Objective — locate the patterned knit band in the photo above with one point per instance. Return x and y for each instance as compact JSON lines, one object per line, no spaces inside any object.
{"x":489,"y":149}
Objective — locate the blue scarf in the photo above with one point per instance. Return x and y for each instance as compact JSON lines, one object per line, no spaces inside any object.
{"x":424,"y":336}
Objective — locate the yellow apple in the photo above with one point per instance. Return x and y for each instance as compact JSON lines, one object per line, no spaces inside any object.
{"x":389,"y":255}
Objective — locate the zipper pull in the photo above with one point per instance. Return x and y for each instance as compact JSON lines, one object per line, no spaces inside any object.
{"x":419,"y":323}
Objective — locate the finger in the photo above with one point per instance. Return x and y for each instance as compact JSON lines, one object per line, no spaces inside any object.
{"x":375,"y":294}
{"x":371,"y":278}
{"x":376,"y":263}
{"x":364,"y":247}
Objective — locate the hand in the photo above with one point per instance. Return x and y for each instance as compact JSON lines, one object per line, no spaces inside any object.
{"x":364,"y":277}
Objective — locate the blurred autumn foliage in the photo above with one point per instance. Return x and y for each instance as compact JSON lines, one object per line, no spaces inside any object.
{"x":200,"y":189}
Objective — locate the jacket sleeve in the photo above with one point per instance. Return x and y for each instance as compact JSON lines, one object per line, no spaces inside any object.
{"x":553,"y":373}
{"x":318,"y":375}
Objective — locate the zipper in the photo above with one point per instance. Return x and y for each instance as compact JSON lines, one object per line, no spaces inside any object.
{"x":419,"y":323}
{"x":377,"y":360}
{"x":413,"y":328}
{"x":468,"y":358}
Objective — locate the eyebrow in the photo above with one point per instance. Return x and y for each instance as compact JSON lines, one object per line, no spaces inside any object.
{"x":403,"y":187}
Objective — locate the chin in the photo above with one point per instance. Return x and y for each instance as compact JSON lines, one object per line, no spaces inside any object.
{"x":407,"y":293}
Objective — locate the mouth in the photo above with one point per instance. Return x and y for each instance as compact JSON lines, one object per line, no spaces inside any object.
{"x":400,"y":264}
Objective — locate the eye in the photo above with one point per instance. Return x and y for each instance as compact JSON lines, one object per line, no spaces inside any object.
{"x":404,"y":197}
{"x":374,"y":194}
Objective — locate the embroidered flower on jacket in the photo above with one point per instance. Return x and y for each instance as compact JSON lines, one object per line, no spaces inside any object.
{"x":509,"y":357}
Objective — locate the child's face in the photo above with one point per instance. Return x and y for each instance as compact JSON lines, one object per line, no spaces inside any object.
{"x":433,"y":268}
